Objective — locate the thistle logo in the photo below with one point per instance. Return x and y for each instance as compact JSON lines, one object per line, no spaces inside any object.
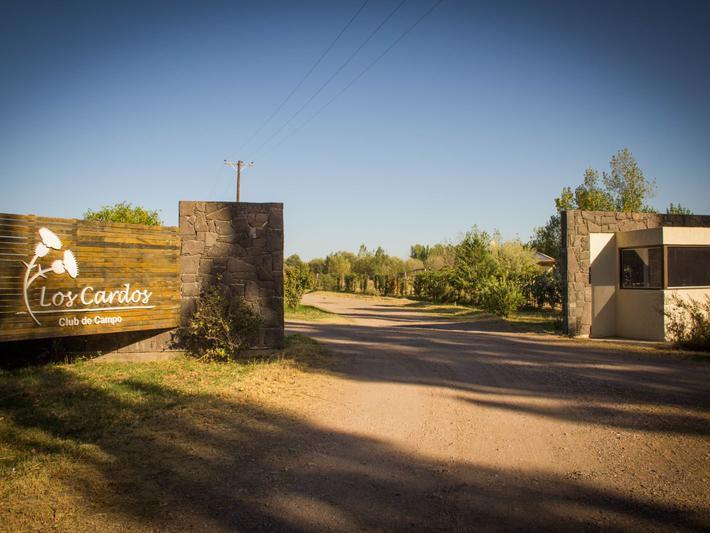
{"x":82,"y":299}
{"x":65,"y":265}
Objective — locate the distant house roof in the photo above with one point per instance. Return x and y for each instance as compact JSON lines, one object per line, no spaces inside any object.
{"x":544,"y":259}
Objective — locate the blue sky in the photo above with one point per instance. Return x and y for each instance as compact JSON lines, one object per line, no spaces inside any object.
{"x":480,"y":115}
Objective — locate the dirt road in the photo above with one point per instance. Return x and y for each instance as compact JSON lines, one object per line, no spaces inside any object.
{"x":427,"y":423}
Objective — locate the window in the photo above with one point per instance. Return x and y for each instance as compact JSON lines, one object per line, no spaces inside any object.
{"x":688,"y":266}
{"x":642,"y":268}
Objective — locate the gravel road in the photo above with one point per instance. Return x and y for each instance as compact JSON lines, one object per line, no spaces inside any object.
{"x":431,"y":424}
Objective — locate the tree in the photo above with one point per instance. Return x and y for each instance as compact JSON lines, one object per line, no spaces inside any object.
{"x":126,"y":213}
{"x":548,"y":238}
{"x":297,"y":279}
{"x":474,"y":264}
{"x":440,"y":256}
{"x":515,"y":261}
{"x":677,"y":209}
{"x":588,"y":196}
{"x":419,"y":251}
{"x":624,"y":189}
{"x":317,"y":266}
{"x":339,"y":265}
{"x":627,"y":185}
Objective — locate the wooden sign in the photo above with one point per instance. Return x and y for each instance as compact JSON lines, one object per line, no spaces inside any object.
{"x":63,"y":277}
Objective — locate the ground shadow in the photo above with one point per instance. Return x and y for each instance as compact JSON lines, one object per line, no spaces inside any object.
{"x":605,"y":387}
{"x":199,"y":462}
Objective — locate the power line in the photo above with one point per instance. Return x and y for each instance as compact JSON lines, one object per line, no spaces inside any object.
{"x":327,"y":82}
{"x":305,"y":76}
{"x":360,"y":75}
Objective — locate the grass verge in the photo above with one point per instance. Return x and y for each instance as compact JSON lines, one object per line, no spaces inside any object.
{"x":310,"y":313}
{"x":536,"y":321}
{"x":90,"y":421}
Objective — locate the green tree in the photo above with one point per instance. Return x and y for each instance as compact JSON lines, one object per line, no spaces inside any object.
{"x":677,"y":209}
{"x":515,"y":261}
{"x":474,"y":264}
{"x":548,"y":238}
{"x":126,"y":213}
{"x":317,"y":265}
{"x":624,"y":188}
{"x":440,"y":256}
{"x":588,"y":196}
{"x":297,"y":279}
{"x":419,"y":251}
{"x":339,"y":265}
{"x":364,"y":268}
{"x":627,"y":185}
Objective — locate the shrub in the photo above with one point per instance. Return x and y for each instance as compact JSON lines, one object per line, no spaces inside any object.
{"x":689,"y":323}
{"x":220,"y":327}
{"x":546,"y":288}
{"x":126,"y":213}
{"x":501,"y":297}
{"x":296,"y":281}
{"x":436,"y":286}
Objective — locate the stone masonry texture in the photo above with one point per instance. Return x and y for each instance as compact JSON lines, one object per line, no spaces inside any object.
{"x":240,"y":246}
{"x":574,"y":267}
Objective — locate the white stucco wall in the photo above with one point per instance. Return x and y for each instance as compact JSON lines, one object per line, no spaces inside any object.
{"x":686,"y":236}
{"x":603,"y":274}
{"x":639,"y":314}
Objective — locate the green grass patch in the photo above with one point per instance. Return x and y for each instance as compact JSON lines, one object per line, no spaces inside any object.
{"x":449,"y":310}
{"x":309,"y":312}
{"x":59,"y":409}
{"x":538,"y":321}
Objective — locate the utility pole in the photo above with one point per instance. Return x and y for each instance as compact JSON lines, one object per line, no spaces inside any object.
{"x":237,"y":165}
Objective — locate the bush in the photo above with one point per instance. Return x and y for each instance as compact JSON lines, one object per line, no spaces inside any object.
{"x":501,"y":297}
{"x":296,"y":281}
{"x":220,"y":327}
{"x":689,"y":323}
{"x":436,"y":286}
{"x":546,"y":288}
{"x":126,"y":213}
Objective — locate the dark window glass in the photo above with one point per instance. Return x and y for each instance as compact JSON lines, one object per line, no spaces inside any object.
{"x":689,"y":266}
{"x":642,"y":268}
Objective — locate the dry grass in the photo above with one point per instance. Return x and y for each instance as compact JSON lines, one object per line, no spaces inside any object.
{"x":77,"y":440}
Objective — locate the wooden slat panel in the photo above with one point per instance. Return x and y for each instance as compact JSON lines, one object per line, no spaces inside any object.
{"x":109,"y":256}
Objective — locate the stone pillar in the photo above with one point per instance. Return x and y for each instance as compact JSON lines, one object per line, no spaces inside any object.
{"x":239,"y":246}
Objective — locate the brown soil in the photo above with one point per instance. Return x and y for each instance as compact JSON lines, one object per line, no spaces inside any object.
{"x":453,"y":425}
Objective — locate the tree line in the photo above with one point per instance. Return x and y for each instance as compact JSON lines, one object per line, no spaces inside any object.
{"x":481,"y":269}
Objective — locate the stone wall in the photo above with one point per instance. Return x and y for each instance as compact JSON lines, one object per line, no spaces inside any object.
{"x":239,"y":246}
{"x":574,"y":267}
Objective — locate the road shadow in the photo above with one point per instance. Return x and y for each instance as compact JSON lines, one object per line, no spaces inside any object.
{"x":405,"y":316}
{"x":606,"y":387}
{"x":195,"y":462}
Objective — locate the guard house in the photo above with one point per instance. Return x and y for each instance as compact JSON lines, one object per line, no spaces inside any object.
{"x":635,"y":276}
{"x":622,"y":271}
